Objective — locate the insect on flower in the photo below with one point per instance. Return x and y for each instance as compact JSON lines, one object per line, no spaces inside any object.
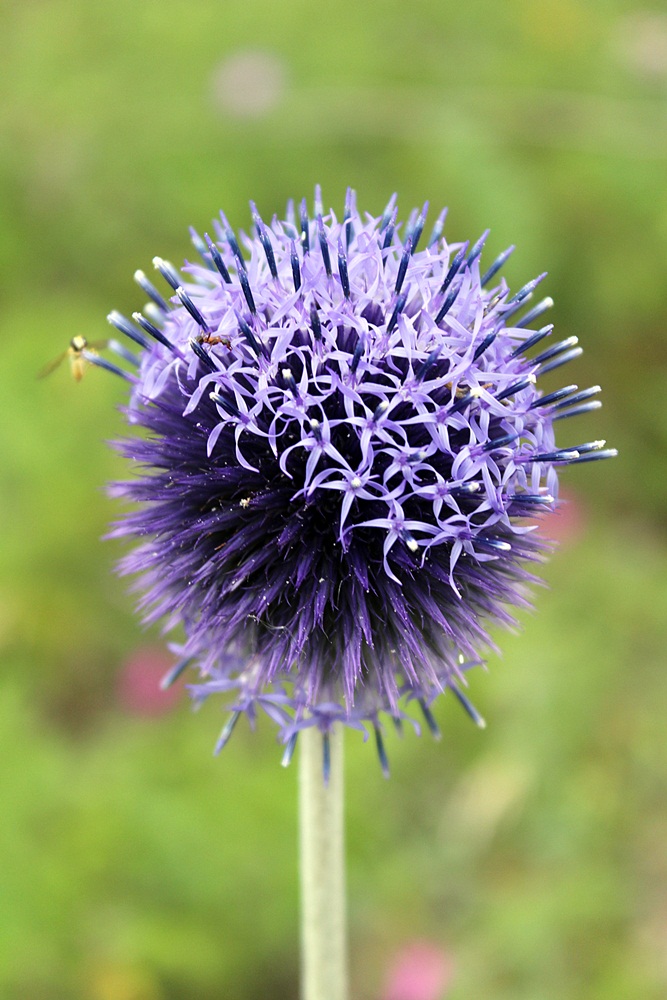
{"x":341,"y":446}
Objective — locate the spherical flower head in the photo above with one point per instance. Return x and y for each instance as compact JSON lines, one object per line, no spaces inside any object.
{"x":342,"y":446}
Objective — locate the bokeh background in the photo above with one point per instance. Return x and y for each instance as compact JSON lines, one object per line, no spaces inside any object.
{"x":527,"y":861}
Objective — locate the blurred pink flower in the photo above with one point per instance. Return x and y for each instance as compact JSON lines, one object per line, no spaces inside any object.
{"x":568,"y":523}
{"x":138,"y":690}
{"x":420,"y":970}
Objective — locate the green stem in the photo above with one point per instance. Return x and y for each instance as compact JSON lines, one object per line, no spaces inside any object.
{"x":323,"y":925}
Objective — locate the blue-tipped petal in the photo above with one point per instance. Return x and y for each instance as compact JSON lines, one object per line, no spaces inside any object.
{"x":151,"y":291}
{"x":562,"y":359}
{"x":168,"y":272}
{"x":216,"y":256}
{"x":290,"y":747}
{"x":123,"y":325}
{"x":175,"y":673}
{"x":382,"y":754}
{"x":226,"y":733}
{"x":188,"y":304}
{"x":469,"y":707}
{"x":430,"y":720}
{"x":324,"y":246}
{"x":496,"y":266}
{"x":152,"y":330}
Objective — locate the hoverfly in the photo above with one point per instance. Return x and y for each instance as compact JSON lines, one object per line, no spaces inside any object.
{"x":74,"y":353}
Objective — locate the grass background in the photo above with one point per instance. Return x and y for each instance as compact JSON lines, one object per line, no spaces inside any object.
{"x":136,"y":867}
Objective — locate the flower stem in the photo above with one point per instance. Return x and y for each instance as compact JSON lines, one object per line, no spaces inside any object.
{"x":323,"y":931}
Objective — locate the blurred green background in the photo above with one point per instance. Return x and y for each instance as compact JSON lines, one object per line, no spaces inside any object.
{"x":530,"y":857}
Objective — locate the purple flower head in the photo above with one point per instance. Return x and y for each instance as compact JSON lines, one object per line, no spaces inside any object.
{"x":341,"y":440}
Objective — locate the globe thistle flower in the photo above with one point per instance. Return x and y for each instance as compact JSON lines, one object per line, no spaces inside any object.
{"x":341,"y":440}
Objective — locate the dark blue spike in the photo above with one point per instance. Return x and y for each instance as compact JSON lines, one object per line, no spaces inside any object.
{"x":398,"y":309}
{"x":492,"y":545}
{"x":122,"y":352}
{"x":403,"y":266}
{"x":389,"y":232}
{"x":579,"y":397}
{"x":454,"y":268}
{"x":562,"y":345}
{"x":500,"y":442}
{"x":447,"y":304}
{"x":315,"y":324}
{"x":553,"y":397}
{"x":188,"y":304}
{"x":205,"y":358}
{"x":398,"y":724}
{"x":527,"y":290}
{"x":427,"y":364}
{"x":289,"y":380}
{"x":465,"y":489}
{"x":468,"y":706}
{"x":342,"y":270}
{"x":562,"y":455}
{"x":152,"y":330}
{"x":496,"y":266}
{"x":477,"y":248}
{"x":226,"y":403}
{"x":123,"y":325}
{"x":356,"y":357}
{"x":430,"y":720}
{"x":464,"y":401}
{"x":326,"y":757}
{"x":486,"y":343}
{"x":217,"y":260}
{"x":244,"y":282}
{"x":150,"y":290}
{"x":562,"y":359}
{"x":227,"y":731}
{"x":168,"y":272}
{"x":516,"y":387}
{"x":530,"y":499}
{"x":388,"y":214}
{"x":305,"y":226}
{"x":382,"y":755}
{"x":438,"y":228}
{"x":264,"y":240}
{"x":380,"y":410}
{"x":536,"y":311}
{"x":109,"y":366}
{"x":324,"y":246}
{"x":290,"y":747}
{"x":531,"y":341}
{"x":418,"y":228}
{"x":296,"y":270}
{"x":596,"y":456}
{"x":514,"y":308}
{"x":199,"y":246}
{"x":583,"y":449}
{"x":576,"y":411}
{"x":230,"y":236}
{"x":249,"y":335}
{"x":173,"y":675}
